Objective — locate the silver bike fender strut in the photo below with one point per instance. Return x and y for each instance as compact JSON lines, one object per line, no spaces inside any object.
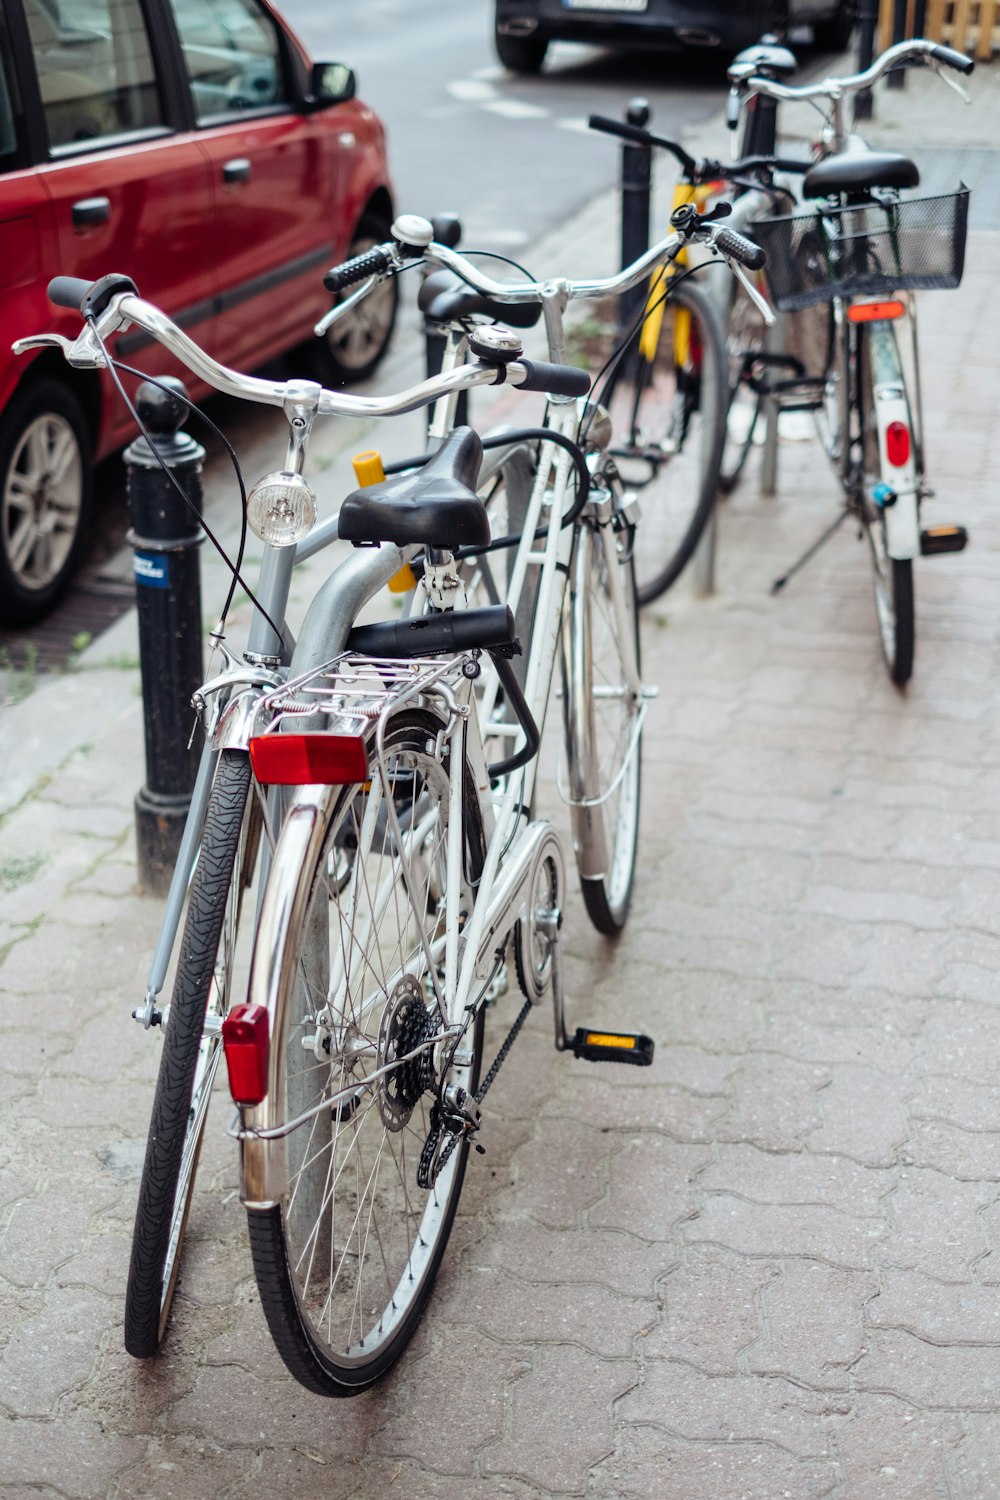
{"x":340,"y":600}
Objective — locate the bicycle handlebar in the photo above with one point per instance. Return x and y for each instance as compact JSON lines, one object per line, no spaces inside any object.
{"x":834,"y":88}
{"x":374,"y":262}
{"x":122,"y":307}
{"x":746,"y":252}
{"x":696,"y":172}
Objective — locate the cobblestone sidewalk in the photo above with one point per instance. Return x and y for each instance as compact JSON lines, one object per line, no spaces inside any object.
{"x":766,"y":1267}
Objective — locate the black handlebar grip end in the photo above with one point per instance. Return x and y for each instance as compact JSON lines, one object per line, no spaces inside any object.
{"x":956,"y":60}
{"x":554,"y":380}
{"x":68,"y":291}
{"x":372,"y":263}
{"x":89,"y":298}
{"x":739,"y":248}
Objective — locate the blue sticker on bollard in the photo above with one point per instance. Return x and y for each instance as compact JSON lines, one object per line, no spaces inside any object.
{"x":151,"y":569}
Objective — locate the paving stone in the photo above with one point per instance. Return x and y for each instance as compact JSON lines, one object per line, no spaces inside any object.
{"x":973,"y":1466}
{"x":796,"y":1178}
{"x":971,"y":1156}
{"x":551,"y":1442}
{"x":863,"y":1115}
{"x":555,"y":1178}
{"x":891,"y":1449}
{"x":650,"y":1187}
{"x":777,"y":1230}
{"x":937,"y":1312}
{"x":776,"y":1103}
{"x":957,"y":1378}
{"x":811,"y":1318}
{"x":936,"y":1225}
{"x":710,"y":1310}
{"x":411,"y":1426}
{"x":167,"y":1470}
{"x":739,"y":1408}
{"x":231,"y":1405}
{"x":513,"y":1310}
{"x":51,"y":1353}
{"x":74,"y":1457}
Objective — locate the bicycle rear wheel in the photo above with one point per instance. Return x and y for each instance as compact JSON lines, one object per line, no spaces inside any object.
{"x":602,"y":718}
{"x":670,"y":425}
{"x":203,"y":988}
{"x":345,"y":1262}
{"x":892,"y":576}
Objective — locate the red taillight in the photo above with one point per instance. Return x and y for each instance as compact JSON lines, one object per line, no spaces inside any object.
{"x":897,"y":444}
{"x":875,"y":312}
{"x":302,"y":759}
{"x":247,"y":1046}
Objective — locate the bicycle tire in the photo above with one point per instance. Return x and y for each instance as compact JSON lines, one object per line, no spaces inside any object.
{"x":892,"y":577}
{"x":188,"y":1063}
{"x":352,"y":1227}
{"x":670,"y":424}
{"x":746,"y":334}
{"x":603,"y":745}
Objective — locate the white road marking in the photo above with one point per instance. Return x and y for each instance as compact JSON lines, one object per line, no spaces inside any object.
{"x":514,"y":109}
{"x":489,"y":75}
{"x":471,"y":91}
{"x":579,"y":124}
{"x":510,"y":237}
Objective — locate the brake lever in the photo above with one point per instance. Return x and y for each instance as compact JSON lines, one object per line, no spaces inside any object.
{"x":79,"y":352}
{"x":952,"y":83}
{"x":338,"y":310}
{"x":759,"y":301}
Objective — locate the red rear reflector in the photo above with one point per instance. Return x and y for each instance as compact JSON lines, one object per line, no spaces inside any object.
{"x":875,"y":312}
{"x":897,"y":443}
{"x":302,"y":759}
{"x":246,"y":1043}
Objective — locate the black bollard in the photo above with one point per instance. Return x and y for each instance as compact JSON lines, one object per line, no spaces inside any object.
{"x":637,"y":179}
{"x":897,"y":79}
{"x":165,"y":536}
{"x":867,"y":23}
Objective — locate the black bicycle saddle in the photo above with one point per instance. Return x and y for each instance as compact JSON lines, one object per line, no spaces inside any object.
{"x":445,"y":299}
{"x":435,"y":507}
{"x":857,"y":171}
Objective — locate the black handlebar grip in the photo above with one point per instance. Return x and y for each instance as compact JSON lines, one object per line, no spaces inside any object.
{"x":620,"y":128}
{"x":373,"y":262}
{"x":957,"y":60}
{"x":554,"y":380}
{"x":89,"y":298}
{"x":739,"y":248}
{"x":68,"y":291}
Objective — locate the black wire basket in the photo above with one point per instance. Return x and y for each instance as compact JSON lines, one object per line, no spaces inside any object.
{"x":894,"y":245}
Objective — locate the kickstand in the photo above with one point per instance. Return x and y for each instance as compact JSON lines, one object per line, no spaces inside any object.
{"x":779,"y":583}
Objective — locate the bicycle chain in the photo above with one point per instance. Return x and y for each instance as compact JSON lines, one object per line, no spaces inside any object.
{"x":427,"y":1172}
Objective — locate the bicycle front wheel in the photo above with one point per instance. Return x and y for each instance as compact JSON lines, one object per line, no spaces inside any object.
{"x":746,"y":334}
{"x":203,"y":989}
{"x":602,"y":707}
{"x":670,"y":425}
{"x":345,"y":1262}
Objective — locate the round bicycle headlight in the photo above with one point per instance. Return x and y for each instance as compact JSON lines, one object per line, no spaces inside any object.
{"x":281,"y":509}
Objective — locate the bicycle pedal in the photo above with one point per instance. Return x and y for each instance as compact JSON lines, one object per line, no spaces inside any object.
{"x":613,"y":1046}
{"x":942,"y":539}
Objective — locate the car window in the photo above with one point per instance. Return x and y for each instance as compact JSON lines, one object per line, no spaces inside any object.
{"x":8,"y":135}
{"x":95,"y":69}
{"x":232,"y":53}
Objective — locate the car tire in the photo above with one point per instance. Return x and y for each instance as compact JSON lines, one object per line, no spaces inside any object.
{"x":834,"y":34}
{"x":45,"y":497}
{"x":350,"y":350}
{"x":520,"y":54}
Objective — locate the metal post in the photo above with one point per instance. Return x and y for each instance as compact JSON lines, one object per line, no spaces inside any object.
{"x":165,"y":536}
{"x":637,"y":177}
{"x":867,"y":25}
{"x":897,"y":79}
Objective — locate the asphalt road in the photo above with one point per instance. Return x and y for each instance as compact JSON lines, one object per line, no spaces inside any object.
{"x":512,"y":156}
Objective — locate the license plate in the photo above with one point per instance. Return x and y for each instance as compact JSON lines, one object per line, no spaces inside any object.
{"x":606,"y":4}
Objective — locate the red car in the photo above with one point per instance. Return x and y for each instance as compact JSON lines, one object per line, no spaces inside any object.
{"x":193,"y":145}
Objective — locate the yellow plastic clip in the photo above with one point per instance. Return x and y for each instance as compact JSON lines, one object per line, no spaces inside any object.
{"x":368,"y":470}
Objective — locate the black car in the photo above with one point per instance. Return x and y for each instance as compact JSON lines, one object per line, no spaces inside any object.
{"x":524,"y":28}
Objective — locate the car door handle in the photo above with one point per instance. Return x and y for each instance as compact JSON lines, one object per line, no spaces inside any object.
{"x":237,"y":170}
{"x":91,"y":211}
